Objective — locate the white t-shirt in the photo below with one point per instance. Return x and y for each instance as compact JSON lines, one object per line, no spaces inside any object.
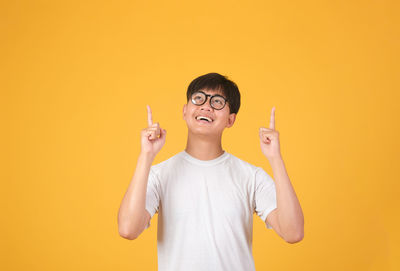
{"x":205,"y":211}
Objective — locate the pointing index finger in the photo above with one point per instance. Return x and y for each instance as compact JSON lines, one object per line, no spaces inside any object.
{"x":272,"y":120}
{"x":149,"y":116}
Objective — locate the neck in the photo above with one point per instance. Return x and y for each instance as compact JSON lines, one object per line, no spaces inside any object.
{"x":204,"y":147}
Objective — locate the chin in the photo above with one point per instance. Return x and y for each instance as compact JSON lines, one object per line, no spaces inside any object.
{"x":203,"y":131}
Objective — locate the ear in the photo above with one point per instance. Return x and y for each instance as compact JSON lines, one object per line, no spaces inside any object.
{"x":231,"y":120}
{"x":184,"y":111}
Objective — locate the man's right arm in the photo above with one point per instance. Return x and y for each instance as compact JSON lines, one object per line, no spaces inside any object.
{"x":133,"y":216}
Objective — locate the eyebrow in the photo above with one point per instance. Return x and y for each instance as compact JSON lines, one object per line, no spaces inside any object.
{"x":218,"y":93}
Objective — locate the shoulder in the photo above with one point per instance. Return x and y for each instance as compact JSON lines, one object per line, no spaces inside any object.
{"x":166,"y":165}
{"x":241,"y":164}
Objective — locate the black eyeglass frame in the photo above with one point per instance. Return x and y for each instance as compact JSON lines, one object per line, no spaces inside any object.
{"x":211,"y":96}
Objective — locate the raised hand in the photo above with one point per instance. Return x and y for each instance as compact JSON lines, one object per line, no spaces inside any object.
{"x":269,"y":139}
{"x":152,"y":137}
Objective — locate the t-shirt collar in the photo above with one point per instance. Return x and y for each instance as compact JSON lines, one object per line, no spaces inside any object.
{"x":211,"y":162}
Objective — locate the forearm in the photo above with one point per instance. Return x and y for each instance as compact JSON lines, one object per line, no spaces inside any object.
{"x":132,"y":208}
{"x":290,"y":214}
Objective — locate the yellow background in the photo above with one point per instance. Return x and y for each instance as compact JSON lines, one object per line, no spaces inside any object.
{"x":75,"y":79}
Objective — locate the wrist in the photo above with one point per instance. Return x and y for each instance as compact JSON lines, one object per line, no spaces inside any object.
{"x":147,"y":156}
{"x":275,"y":160}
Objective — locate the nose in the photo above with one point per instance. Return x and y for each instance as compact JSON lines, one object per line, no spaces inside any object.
{"x":206,"y":105}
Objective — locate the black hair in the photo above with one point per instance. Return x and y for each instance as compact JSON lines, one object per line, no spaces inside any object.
{"x":217,"y":82}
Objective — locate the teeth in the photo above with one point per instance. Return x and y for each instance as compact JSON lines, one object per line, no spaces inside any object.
{"x":202,"y":117}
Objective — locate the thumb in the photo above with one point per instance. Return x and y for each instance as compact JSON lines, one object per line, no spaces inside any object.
{"x":163,"y":132}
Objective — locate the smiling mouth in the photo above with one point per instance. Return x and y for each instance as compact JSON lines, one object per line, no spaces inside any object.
{"x":202,"y":119}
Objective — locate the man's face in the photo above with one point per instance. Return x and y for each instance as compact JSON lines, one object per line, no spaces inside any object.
{"x":220,"y":119}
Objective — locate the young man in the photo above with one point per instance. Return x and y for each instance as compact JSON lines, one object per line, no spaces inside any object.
{"x":205,"y":197}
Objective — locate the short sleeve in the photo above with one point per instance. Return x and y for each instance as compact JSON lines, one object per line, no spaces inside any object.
{"x":265,"y":195}
{"x":152,"y":194}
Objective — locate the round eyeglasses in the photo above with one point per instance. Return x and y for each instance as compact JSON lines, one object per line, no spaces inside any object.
{"x":216,"y":101}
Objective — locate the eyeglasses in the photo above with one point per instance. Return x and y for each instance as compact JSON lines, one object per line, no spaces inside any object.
{"x":216,"y":101}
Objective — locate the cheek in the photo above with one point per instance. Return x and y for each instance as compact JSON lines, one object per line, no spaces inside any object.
{"x":189,"y":114}
{"x":223,"y":120}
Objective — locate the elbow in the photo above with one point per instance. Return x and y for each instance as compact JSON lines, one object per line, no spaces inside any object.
{"x":295,"y":234}
{"x":128,"y":229}
{"x":295,"y":239}
{"x":127,"y":235}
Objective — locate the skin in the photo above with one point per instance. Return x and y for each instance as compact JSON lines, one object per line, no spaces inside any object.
{"x":287,"y":219}
{"x":132,"y":215}
{"x":204,"y":140}
{"x":204,"y":143}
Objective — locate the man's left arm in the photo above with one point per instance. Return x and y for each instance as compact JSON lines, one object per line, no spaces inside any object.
{"x":287,"y":219}
{"x":289,"y":215}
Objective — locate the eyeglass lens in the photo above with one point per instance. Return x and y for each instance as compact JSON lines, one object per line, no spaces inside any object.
{"x":199,"y":98}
